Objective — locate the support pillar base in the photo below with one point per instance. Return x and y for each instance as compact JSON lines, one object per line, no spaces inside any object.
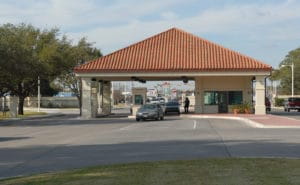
{"x":260,"y":110}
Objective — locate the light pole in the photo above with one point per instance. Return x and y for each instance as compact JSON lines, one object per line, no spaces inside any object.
{"x":292,"y":66}
{"x":39,"y":94}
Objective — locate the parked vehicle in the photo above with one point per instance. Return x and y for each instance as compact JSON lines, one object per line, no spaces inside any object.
{"x":158,"y":100}
{"x":150,"y":111}
{"x":172,"y":107}
{"x":292,"y":104}
{"x":268,"y":105}
{"x":154,"y":100}
{"x":161,"y":100}
{"x":4,"y":109}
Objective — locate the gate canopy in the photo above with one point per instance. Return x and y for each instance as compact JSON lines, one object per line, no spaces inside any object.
{"x":173,"y":51}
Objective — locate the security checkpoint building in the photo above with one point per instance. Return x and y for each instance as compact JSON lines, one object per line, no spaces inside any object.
{"x":223,"y":77}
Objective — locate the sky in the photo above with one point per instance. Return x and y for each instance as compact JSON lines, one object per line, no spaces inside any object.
{"x":264,"y":29}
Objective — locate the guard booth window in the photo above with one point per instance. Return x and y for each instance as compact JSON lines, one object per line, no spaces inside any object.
{"x":138,"y":100}
{"x":210,"y":98}
{"x":234,"y":97}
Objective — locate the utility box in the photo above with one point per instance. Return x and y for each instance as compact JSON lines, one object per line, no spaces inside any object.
{"x":139,"y":95}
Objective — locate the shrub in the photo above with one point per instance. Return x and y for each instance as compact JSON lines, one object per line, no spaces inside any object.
{"x":279,"y":102}
{"x":243,"y":108}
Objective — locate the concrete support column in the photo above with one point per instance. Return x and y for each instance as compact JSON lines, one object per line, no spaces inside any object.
{"x":260,"y":108}
{"x":13,"y":106}
{"x":198,"y":96}
{"x":99,"y":96}
{"x":94,"y":98}
{"x":106,"y":109}
{"x":86,"y":98}
{"x":88,"y":108}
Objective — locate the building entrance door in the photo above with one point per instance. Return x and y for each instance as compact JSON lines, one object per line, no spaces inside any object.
{"x":223,"y":102}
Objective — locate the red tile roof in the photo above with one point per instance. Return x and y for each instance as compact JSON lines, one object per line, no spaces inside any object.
{"x":173,"y":51}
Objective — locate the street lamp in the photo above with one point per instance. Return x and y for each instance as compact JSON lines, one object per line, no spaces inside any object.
{"x":39,"y":94}
{"x":292,"y":66}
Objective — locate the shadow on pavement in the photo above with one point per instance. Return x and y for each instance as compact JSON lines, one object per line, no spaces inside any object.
{"x":73,"y":119}
{"x":38,"y":159}
{"x":3,"y":139}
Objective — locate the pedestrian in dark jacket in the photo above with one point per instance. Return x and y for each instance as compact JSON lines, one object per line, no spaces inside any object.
{"x":186,"y":105}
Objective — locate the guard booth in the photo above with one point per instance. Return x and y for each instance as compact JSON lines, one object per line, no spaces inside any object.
{"x":139,"y":96}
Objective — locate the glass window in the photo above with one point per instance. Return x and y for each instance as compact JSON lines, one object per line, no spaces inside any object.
{"x":235,"y":97}
{"x":149,"y":106}
{"x":138,"y":100}
{"x":210,"y":98}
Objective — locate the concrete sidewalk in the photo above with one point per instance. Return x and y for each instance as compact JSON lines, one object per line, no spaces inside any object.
{"x":258,"y":121}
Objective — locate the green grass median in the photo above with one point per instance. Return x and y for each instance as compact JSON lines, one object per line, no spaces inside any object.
{"x":237,"y":171}
{"x":26,"y":114}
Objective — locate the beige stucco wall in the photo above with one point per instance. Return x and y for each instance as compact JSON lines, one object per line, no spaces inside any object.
{"x":209,"y":109}
{"x":224,"y":83}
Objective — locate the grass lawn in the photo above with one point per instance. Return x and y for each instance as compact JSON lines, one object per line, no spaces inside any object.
{"x":26,"y":114}
{"x":241,"y":171}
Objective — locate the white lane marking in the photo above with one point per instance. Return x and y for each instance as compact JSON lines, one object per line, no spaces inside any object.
{"x":128,"y":127}
{"x":195,"y":124}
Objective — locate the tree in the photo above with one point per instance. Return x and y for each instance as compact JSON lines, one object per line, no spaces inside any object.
{"x":82,"y":52}
{"x":3,"y":87}
{"x":284,"y":74}
{"x":27,"y":53}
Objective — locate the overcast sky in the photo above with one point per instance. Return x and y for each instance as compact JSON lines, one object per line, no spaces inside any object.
{"x":263,"y":29}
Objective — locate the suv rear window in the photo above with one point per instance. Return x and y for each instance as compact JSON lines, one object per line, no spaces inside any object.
{"x":294,"y":99}
{"x":172,"y":103}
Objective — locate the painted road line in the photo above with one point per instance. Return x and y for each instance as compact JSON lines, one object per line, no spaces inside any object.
{"x":195,"y":124}
{"x":128,"y":127}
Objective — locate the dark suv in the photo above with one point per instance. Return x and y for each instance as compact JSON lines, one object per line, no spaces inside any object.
{"x":172,"y":107}
{"x":292,"y":104}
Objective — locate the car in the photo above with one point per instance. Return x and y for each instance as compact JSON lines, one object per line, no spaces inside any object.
{"x":150,"y":111}
{"x":172,"y":107}
{"x":154,"y":100}
{"x":161,"y":100}
{"x":4,"y":109}
{"x":292,"y":104}
{"x":268,"y":105}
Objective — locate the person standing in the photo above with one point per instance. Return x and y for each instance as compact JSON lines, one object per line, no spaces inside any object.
{"x":186,"y":105}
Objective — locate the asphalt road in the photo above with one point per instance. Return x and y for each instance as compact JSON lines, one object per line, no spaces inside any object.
{"x":53,"y":144}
